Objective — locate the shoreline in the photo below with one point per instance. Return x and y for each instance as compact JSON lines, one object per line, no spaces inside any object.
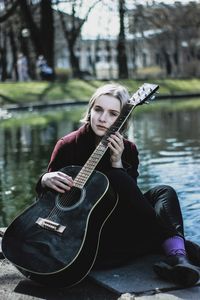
{"x":51,"y":104}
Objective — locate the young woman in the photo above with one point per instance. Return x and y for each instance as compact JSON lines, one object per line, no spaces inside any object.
{"x":141,"y":223}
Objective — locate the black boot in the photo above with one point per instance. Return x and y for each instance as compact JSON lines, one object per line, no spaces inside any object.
{"x":193,"y":252}
{"x":177,"y":269}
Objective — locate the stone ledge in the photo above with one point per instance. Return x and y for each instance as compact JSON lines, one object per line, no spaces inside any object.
{"x":134,"y":281}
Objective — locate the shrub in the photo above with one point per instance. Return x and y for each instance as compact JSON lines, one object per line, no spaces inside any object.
{"x":62,"y":74}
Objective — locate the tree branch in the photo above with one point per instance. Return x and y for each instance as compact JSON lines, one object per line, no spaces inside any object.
{"x":9,"y":11}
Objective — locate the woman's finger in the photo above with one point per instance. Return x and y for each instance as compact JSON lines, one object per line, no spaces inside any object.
{"x":67,"y":177}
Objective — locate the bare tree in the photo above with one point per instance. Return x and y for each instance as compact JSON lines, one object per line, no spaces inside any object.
{"x":35,"y":19}
{"x":8,"y":9}
{"x":174,"y":26}
{"x":72,"y":29}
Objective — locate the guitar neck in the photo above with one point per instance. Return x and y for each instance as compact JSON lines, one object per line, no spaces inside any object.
{"x":144,"y":92}
{"x":90,"y":165}
{"x":98,"y":153}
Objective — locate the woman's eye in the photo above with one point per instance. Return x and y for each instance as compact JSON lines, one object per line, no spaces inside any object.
{"x":97,"y":109}
{"x":114,"y":114}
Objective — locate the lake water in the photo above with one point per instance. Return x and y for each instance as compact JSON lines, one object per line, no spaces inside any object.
{"x":168,"y":144}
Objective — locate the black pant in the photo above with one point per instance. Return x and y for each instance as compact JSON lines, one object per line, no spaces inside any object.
{"x":141,"y":222}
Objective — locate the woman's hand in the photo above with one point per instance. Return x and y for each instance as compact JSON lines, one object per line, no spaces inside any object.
{"x":57,"y":181}
{"x":116,"y":145}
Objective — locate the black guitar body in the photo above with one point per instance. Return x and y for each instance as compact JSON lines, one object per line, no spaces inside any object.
{"x":62,"y":249}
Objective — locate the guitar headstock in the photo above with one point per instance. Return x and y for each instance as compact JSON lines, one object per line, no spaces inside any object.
{"x":144,"y":93}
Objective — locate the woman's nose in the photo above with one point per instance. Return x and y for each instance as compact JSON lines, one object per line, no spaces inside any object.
{"x":102,"y":117}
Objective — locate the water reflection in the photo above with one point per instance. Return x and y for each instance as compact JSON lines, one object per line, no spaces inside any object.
{"x":170,"y":154}
{"x":169,"y":149}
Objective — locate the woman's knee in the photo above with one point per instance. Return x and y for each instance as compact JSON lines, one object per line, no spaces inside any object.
{"x":120,"y":179}
{"x":124,"y":184}
{"x":165,"y":187}
{"x":164,"y":190}
{"x":161,"y":194}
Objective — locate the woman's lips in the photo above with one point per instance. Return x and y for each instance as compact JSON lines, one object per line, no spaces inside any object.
{"x":101,"y":127}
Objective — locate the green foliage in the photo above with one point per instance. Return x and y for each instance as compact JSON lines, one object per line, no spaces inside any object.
{"x":42,"y":119}
{"x":170,"y":105}
{"x":169,"y":86}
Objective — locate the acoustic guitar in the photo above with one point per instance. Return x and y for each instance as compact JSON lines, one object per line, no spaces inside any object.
{"x":55,"y":240}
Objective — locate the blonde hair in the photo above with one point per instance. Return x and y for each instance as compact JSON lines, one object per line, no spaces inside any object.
{"x":116,"y":90}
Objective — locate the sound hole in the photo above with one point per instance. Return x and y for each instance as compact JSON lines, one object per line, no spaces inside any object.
{"x":71,"y":199}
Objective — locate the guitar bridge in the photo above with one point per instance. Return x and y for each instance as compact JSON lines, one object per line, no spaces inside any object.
{"x":50,"y":225}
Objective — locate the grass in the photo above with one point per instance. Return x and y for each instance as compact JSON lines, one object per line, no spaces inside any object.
{"x":26,"y":92}
{"x":76,"y":89}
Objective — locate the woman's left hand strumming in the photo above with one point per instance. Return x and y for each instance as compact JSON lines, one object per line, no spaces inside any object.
{"x":116,"y":145}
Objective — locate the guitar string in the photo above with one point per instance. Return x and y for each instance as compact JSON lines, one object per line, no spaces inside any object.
{"x":68,"y":197}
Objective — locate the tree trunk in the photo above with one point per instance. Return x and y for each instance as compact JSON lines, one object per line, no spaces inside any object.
{"x":47,"y":31}
{"x":13,"y":50}
{"x":121,"y":47}
{"x":73,"y":31}
{"x":4,"y":74}
{"x":74,"y":62}
{"x":168,"y":65}
{"x":71,"y":37}
{"x":42,"y":38}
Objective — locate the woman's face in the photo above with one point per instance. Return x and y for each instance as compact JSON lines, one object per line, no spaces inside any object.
{"x":103,"y":114}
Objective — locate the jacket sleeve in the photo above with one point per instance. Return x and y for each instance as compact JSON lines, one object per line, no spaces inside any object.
{"x":130,"y":160}
{"x":60,"y":157}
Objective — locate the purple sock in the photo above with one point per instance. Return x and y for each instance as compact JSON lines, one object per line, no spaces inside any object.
{"x":174,"y":245}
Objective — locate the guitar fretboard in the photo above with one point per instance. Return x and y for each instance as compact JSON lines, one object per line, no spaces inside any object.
{"x":89,"y":166}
